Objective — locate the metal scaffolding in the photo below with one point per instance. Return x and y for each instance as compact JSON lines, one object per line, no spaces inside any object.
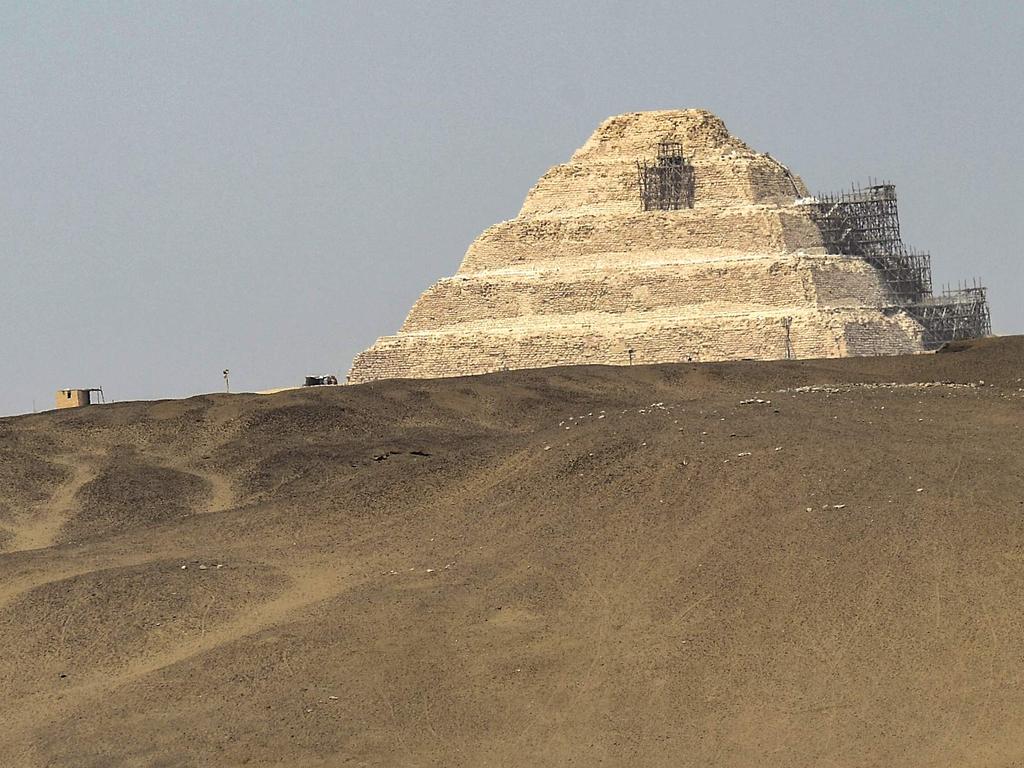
{"x":861,"y":222}
{"x":864,"y":222}
{"x":907,"y":273}
{"x":667,"y":183}
{"x":959,"y":313}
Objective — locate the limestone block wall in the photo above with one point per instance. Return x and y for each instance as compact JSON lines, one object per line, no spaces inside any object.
{"x":633,"y":134}
{"x":841,"y":281}
{"x":727,"y":285}
{"x":736,"y":230}
{"x":601,"y":175}
{"x":609,"y":187}
{"x":583,"y":275}
{"x":735,"y":284}
{"x":892,"y":333}
{"x":597,"y":340}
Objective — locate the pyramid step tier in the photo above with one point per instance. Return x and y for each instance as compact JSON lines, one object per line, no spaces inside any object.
{"x":609,"y":187}
{"x":593,"y":339}
{"x":734,"y":230}
{"x":751,"y":282}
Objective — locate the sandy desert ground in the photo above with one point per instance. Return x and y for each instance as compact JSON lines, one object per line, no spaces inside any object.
{"x":808,"y":563}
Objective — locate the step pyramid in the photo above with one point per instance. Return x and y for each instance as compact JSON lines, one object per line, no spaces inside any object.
{"x":666,"y":239}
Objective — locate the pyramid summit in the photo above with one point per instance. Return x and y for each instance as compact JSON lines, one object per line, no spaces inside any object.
{"x":666,"y":239}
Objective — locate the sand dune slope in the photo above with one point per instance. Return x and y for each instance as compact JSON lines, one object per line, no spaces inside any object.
{"x":563,"y":567}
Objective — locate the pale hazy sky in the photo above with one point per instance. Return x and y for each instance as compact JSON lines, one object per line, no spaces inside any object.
{"x":268,"y":187}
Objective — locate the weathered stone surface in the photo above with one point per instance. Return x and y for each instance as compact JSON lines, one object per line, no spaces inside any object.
{"x":583,"y":275}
